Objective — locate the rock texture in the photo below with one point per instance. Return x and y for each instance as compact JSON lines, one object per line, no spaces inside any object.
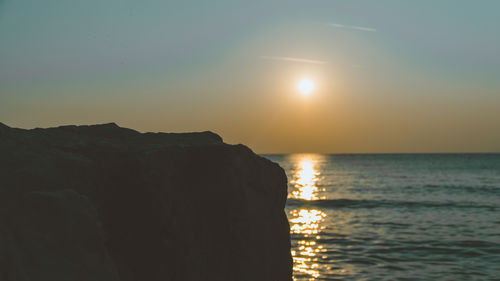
{"x":109,"y":203}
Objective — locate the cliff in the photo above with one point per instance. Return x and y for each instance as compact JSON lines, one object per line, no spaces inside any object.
{"x":108,"y":203}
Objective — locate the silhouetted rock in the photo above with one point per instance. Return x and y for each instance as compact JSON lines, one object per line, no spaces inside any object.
{"x":108,"y":203}
{"x":54,"y":236}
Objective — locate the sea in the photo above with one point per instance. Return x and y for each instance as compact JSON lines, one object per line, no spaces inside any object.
{"x":393,"y":216}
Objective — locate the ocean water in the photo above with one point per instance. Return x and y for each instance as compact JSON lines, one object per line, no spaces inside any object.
{"x":394,"y":217}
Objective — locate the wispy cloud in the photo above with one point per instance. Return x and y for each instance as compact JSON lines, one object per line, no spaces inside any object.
{"x":354,"y":27}
{"x":291,"y":59}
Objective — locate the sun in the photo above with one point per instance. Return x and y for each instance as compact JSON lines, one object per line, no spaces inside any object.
{"x":306,"y":86}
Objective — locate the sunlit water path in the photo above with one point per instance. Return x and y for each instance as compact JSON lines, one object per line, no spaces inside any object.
{"x":394,"y":217}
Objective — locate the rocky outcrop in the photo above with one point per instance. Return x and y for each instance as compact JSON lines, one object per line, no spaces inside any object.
{"x":109,"y":203}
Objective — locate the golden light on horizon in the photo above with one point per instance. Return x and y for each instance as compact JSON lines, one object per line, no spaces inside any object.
{"x":305,"y":181}
{"x":306,"y":86}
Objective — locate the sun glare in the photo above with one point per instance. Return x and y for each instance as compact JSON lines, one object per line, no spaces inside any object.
{"x":306,"y":86}
{"x":305,"y":179}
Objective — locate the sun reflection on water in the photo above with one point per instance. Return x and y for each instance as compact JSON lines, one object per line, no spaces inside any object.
{"x":306,"y":223}
{"x":304,"y":180}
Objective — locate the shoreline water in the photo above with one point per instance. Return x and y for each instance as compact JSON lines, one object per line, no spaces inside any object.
{"x":394,"y":216}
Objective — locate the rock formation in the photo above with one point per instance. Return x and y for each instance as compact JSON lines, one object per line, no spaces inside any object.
{"x":108,"y":203}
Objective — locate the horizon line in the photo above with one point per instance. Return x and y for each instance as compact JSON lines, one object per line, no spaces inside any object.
{"x":380,"y":153}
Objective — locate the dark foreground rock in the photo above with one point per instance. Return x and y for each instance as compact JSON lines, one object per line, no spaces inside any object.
{"x":108,"y":203}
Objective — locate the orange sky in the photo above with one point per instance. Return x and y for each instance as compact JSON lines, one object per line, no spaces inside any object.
{"x":389,"y":77}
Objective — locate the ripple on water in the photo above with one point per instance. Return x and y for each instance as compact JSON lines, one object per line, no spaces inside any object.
{"x":400,"y":217}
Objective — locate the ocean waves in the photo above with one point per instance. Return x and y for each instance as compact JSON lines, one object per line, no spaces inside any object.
{"x":369,"y":204}
{"x":394,"y":217}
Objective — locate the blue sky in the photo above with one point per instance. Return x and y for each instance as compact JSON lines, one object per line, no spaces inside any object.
{"x":411,"y":76}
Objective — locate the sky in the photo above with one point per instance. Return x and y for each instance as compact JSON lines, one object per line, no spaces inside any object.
{"x":391,"y":76}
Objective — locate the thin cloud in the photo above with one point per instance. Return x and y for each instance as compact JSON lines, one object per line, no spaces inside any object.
{"x":354,"y":27}
{"x":291,"y":59}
